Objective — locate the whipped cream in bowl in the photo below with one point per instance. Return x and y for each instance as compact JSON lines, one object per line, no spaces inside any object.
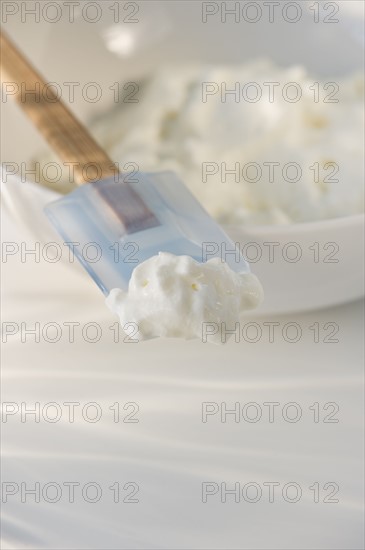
{"x":256,"y":143}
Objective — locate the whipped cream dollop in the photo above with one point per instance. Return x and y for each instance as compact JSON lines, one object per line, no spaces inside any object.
{"x":178,"y":297}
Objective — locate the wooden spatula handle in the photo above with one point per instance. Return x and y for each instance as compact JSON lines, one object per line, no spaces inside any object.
{"x":66,"y":135}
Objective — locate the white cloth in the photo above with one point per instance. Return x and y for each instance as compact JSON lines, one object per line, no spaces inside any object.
{"x":170,"y":452}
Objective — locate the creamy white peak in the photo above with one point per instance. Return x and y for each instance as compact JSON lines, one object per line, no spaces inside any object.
{"x":286,"y":160}
{"x":178,"y":297}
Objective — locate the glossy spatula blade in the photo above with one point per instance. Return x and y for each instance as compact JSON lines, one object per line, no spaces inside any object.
{"x":89,"y":220}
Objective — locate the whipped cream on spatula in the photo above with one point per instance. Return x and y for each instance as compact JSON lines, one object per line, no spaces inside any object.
{"x":178,"y":297}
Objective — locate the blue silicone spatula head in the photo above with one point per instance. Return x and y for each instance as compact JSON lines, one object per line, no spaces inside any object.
{"x":110,"y":233}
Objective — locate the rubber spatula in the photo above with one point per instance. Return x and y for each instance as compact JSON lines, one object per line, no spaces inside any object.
{"x":114,"y":221}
